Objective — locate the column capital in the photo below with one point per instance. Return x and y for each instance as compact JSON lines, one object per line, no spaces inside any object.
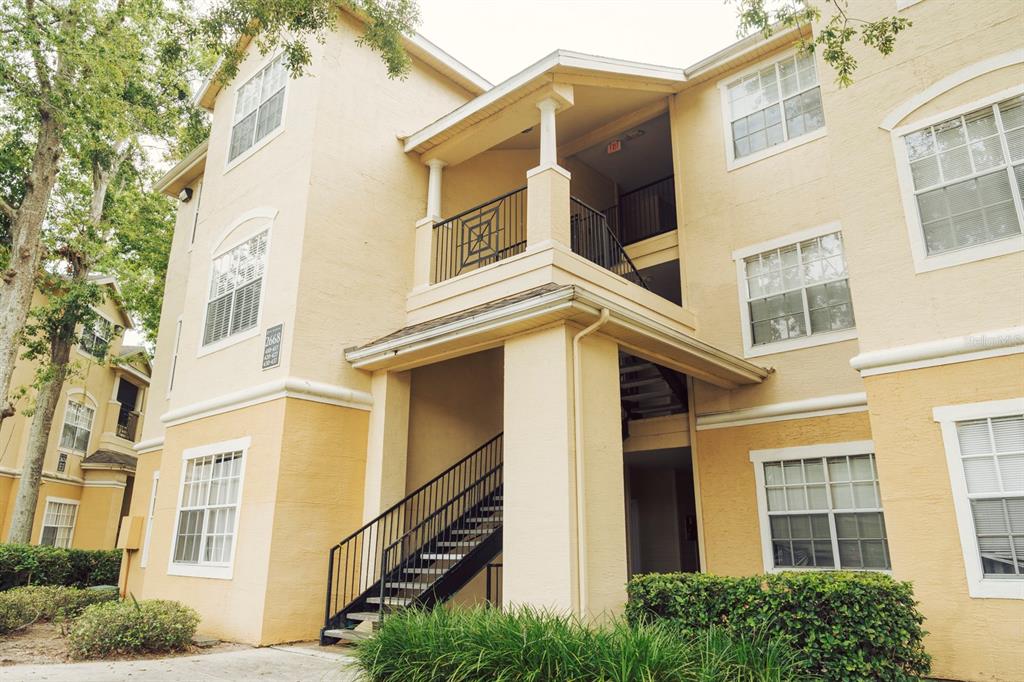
{"x":436,"y":163}
{"x":548,"y":104}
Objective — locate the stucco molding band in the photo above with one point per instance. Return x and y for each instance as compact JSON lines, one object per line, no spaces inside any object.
{"x":977,"y":346}
{"x":151,"y":445}
{"x":823,"y":406}
{"x":937,"y":88}
{"x":289,"y":387}
{"x":104,"y":484}
{"x":9,"y":472}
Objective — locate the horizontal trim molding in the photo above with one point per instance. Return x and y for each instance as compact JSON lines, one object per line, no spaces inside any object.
{"x":151,"y":445}
{"x":977,"y":346}
{"x":289,"y":387}
{"x":844,"y":403}
{"x":10,"y":472}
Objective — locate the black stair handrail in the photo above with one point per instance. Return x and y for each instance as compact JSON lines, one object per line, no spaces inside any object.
{"x":354,"y":564}
{"x":593,"y":238}
{"x":425,"y":536}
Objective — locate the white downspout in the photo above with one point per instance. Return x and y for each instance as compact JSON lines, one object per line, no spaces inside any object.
{"x":577,"y":398}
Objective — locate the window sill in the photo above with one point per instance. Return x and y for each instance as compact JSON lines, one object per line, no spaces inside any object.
{"x":808,"y":569}
{"x":200,"y":571}
{"x":734,"y":164}
{"x":230,"y":165}
{"x":995,"y":588}
{"x":822,"y":339}
{"x":994,"y":249}
{"x":227,"y":342}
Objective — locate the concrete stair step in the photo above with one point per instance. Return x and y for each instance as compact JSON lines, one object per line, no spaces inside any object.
{"x":390,"y":601}
{"x":471,"y":531}
{"x":457,"y":543}
{"x":484,"y":519}
{"x":442,"y":557}
{"x":367,"y":616}
{"x":425,"y":571}
{"x":349,"y":635}
{"x":404,"y":585}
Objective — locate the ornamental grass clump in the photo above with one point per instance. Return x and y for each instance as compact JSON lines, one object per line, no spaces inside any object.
{"x":132,"y":627}
{"x":467,"y":645}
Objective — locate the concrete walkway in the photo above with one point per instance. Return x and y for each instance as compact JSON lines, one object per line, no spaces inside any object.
{"x":297,"y":662}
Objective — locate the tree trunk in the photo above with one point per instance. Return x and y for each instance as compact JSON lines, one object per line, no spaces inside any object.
{"x":17,"y":283}
{"x":38,"y":439}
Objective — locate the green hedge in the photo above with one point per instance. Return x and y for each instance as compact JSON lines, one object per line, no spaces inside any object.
{"x":36,"y":565}
{"x":132,"y":627}
{"x":22,"y":606}
{"x":849,"y":626}
{"x":451,"y":644}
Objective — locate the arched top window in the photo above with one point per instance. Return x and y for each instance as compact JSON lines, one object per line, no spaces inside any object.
{"x":236,"y":288}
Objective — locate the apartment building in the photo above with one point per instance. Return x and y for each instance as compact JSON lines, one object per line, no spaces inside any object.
{"x":89,"y":470}
{"x":602,"y":318}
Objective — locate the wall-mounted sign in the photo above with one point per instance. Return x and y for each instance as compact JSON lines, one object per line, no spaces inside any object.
{"x":272,"y":347}
{"x":614,"y":146}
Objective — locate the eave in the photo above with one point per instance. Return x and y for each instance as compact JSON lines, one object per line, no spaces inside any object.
{"x":184,"y":172}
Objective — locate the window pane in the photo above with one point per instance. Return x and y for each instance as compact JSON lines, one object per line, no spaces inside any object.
{"x":218,"y":320}
{"x":981,"y":475}
{"x":242,"y":136}
{"x":269,"y":117}
{"x":246,"y":308}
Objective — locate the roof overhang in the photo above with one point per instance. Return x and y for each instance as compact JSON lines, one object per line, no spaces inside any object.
{"x":499,"y":107}
{"x":490,"y":325}
{"x":184,"y":172}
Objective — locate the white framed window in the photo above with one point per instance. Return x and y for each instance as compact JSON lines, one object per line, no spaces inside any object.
{"x":771,"y":108}
{"x":820,"y":508}
{"x":95,"y":339}
{"x":795,"y":292}
{"x":195,"y":214}
{"x":236,"y":288}
{"x":58,"y":522}
{"x":78,"y":418}
{"x":206,"y":524}
{"x":962,"y":177}
{"x":984,"y":445}
{"x":144,"y":560}
{"x":259,"y":109}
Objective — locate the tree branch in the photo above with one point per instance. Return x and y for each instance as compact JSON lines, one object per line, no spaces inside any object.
{"x":8,"y":210}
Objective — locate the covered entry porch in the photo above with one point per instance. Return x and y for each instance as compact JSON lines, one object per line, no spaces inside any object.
{"x":543,"y":368}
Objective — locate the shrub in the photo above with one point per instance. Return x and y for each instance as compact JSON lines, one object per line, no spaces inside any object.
{"x":132,"y":627}
{"x":462,"y":645}
{"x":24,"y":605}
{"x":848,"y":626}
{"x":37,"y":565}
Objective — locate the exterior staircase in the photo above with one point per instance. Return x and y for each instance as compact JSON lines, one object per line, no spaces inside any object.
{"x":649,"y":390}
{"x":420,"y":551}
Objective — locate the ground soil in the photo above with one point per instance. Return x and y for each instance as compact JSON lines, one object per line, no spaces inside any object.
{"x":45,"y":643}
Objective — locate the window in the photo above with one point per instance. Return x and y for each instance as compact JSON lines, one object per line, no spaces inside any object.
{"x":967,"y":174}
{"x":207,"y":521}
{"x":259,"y":106}
{"x":195,"y":214}
{"x":96,"y":338}
{"x":771,"y":106}
{"x":77,"y":426}
{"x":985,"y":451}
{"x":58,"y":522}
{"x":149,"y":520}
{"x":823,"y":511}
{"x":795,"y":290}
{"x":174,"y":356}
{"x":235,"y":288}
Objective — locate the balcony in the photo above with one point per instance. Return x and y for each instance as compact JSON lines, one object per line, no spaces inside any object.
{"x":496,"y":229}
{"x":127,"y":424}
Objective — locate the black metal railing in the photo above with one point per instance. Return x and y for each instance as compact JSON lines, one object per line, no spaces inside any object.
{"x":443,"y":536}
{"x":644,"y":212}
{"x":593,"y":239}
{"x":355,"y":565}
{"x":493,"y":589}
{"x":127,"y":423}
{"x":479,"y":236}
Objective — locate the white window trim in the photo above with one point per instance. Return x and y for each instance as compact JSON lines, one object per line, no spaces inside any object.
{"x":904,"y":4}
{"x":197,"y":198}
{"x":144,"y":559}
{"x":259,"y":144}
{"x":201,"y":570}
{"x":809,"y":341}
{"x":113,"y":336}
{"x":817,"y":451}
{"x":175,"y":354}
{"x":918,"y":248}
{"x":978,"y":586}
{"x":74,"y":526}
{"x":234,"y":339}
{"x":731,"y":162}
{"x":87,"y":401}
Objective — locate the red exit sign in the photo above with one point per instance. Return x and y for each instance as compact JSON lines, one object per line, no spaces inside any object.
{"x":614,"y":146}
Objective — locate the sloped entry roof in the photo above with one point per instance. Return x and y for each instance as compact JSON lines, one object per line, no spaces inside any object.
{"x":110,"y":457}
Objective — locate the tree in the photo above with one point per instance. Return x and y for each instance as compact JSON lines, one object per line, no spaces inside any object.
{"x":77,"y":70}
{"x":834,"y":36}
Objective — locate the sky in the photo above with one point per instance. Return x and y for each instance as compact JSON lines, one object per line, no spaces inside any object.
{"x":499,"y":38}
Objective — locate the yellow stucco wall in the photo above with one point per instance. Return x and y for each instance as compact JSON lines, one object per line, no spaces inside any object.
{"x":732,"y":538}
{"x":974,"y":639}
